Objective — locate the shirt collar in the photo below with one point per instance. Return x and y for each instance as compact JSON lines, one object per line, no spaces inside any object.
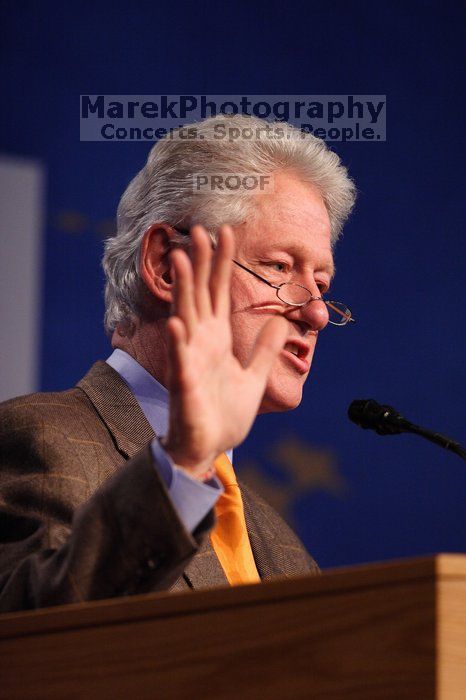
{"x":148,"y":392}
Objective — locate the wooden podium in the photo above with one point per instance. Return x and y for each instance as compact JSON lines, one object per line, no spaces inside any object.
{"x":394,"y":630}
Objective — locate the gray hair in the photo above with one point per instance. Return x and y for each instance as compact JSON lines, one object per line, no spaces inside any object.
{"x":163,"y":192}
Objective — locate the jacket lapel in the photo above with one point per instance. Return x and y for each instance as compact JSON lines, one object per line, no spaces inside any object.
{"x":262,"y":536}
{"x":118,"y":408}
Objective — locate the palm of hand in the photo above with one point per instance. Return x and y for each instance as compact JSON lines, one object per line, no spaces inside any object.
{"x":213,"y":399}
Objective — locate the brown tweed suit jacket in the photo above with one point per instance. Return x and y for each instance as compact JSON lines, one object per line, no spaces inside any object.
{"x":84,"y":514}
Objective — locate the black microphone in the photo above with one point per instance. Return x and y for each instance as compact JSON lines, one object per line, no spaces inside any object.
{"x":385,"y":420}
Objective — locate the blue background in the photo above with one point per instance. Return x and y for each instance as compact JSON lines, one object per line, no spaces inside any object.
{"x":401,"y":262}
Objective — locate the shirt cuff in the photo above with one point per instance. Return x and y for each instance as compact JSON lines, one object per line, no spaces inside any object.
{"x":192,"y":499}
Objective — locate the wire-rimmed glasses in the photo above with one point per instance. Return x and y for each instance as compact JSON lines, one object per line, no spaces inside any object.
{"x":297,"y":295}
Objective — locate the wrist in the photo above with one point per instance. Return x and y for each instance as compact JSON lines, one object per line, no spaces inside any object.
{"x":199,"y":469}
{"x":203,"y":477}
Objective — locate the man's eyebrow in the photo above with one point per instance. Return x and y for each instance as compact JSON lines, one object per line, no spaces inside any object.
{"x":297,"y":250}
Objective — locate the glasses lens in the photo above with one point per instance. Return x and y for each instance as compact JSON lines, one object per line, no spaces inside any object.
{"x":297,"y":295}
{"x":293,"y":294}
{"x":338,"y":313}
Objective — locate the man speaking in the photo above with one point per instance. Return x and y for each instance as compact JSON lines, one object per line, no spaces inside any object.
{"x":214,"y":300}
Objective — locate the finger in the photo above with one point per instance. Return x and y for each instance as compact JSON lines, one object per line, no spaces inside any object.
{"x":220,"y":279}
{"x":202,"y":259}
{"x":183,"y":290}
{"x":270,"y":341}
{"x":177,"y":338}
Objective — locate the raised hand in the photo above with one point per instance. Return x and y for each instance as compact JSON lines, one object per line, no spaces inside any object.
{"x":213,"y":398}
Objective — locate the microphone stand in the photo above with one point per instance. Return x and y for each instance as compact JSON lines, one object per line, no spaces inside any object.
{"x":437,"y":438}
{"x":385,"y":420}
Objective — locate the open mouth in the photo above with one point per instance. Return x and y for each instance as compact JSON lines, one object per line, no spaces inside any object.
{"x":296,"y":349}
{"x":297,"y":353}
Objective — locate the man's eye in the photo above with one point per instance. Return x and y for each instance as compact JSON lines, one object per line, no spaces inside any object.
{"x":278,"y":266}
{"x":323,"y":288}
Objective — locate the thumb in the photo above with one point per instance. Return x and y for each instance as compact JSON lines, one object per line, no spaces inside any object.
{"x":269,"y":343}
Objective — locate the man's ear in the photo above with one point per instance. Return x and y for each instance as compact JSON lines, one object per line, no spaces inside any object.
{"x":154,"y":266}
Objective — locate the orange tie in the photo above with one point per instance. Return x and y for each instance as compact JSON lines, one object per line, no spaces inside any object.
{"x":229,"y":537}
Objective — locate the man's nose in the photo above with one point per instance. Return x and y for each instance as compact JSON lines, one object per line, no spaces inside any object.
{"x":314,"y":313}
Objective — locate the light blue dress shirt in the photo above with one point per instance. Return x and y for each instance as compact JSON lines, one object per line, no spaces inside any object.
{"x":192,"y":499}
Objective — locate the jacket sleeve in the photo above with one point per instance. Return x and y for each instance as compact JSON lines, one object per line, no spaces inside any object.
{"x":125,"y":539}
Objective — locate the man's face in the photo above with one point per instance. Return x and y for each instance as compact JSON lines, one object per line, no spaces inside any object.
{"x":288,"y":240}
